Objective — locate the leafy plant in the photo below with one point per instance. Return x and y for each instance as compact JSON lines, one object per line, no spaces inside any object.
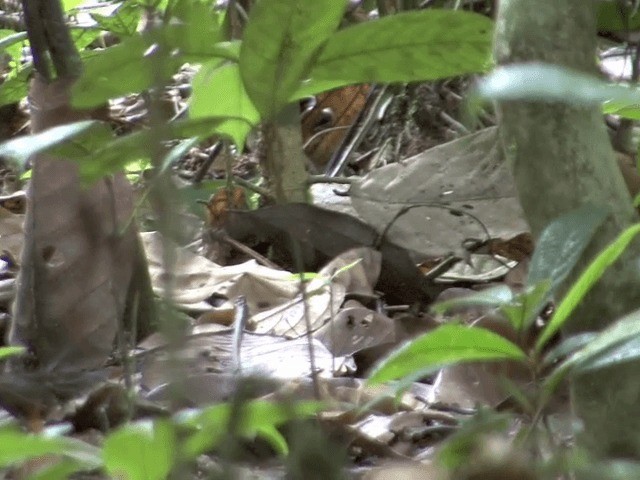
{"x":148,"y":450}
{"x":241,"y":83}
{"x":454,"y":344}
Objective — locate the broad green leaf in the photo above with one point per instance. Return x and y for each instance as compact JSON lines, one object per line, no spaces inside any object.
{"x":71,"y":4}
{"x":626,"y":351}
{"x":177,"y":152}
{"x":11,"y":43}
{"x":588,"y":278}
{"x":83,"y":37}
{"x":566,"y":347}
{"x":218,"y":91}
{"x":561,"y":244}
{"x":448,"y":344}
{"x":141,"y":451}
{"x":113,"y":156}
{"x":271,"y":435}
{"x":123,"y":21}
{"x":462,"y":445}
{"x":279,"y":45}
{"x":615,"y":344}
{"x":131,"y":66}
{"x":16,"y":85}
{"x":197,"y":32}
{"x":21,"y":148}
{"x":630,"y":111}
{"x":114,"y":72}
{"x":407,"y":47}
{"x":17,"y":446}
{"x":84,"y":145}
{"x":192,"y":196}
{"x":13,"y":351}
{"x":526,"y":306}
{"x":491,"y":297}
{"x":544,"y":82}
{"x":255,"y":418}
{"x":610,"y":18}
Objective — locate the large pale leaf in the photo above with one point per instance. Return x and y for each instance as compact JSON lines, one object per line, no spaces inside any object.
{"x":279,"y":45}
{"x":407,"y":47}
{"x":446,"y":345}
{"x":470,"y":173}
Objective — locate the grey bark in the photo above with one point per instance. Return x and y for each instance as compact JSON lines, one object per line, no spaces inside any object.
{"x":561,"y":159}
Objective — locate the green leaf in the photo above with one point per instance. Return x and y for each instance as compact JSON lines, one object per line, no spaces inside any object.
{"x":129,"y":67}
{"x":113,"y":72}
{"x":567,"y":347}
{"x":197,"y":33}
{"x":616,"y":344}
{"x":219,"y":92}
{"x":71,"y":4}
{"x":11,"y":43}
{"x":491,"y":297}
{"x":561,"y":244}
{"x":588,"y":278}
{"x":461,"y":446}
{"x":255,"y":418}
{"x":13,"y":351}
{"x":445,"y":345}
{"x":192,"y":196}
{"x":407,"y":47}
{"x":611,"y":20}
{"x":83,"y":37}
{"x":630,"y":111}
{"x":113,"y":156}
{"x":177,"y":152}
{"x":123,"y":22}
{"x":21,"y":148}
{"x":279,"y":44}
{"x":140,"y":451}
{"x":16,"y":85}
{"x":543,"y":82}
{"x":525,"y":307}
{"x":17,"y":447}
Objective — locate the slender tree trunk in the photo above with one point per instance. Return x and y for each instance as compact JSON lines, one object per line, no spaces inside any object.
{"x":561,"y":159}
{"x":80,"y":277}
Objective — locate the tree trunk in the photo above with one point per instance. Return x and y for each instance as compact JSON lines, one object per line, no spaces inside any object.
{"x":561,"y":159}
{"x":80,"y":277}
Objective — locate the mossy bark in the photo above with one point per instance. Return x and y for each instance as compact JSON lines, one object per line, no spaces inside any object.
{"x":561,"y":159}
{"x":284,"y":160}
